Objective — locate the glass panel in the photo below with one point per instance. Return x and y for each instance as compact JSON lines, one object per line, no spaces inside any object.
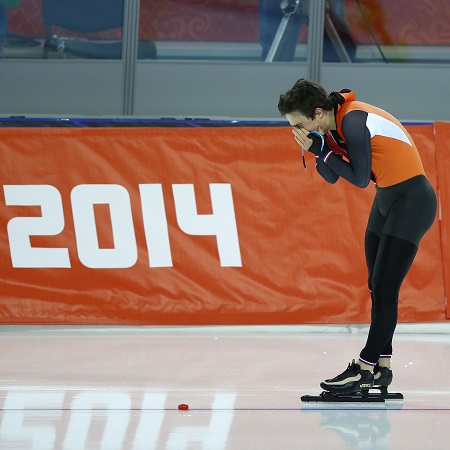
{"x":355,"y":30}
{"x":338,"y":43}
{"x":219,"y":29}
{"x":388,"y":31}
{"x":283,"y":29}
{"x":239,"y":30}
{"x":61,"y":28}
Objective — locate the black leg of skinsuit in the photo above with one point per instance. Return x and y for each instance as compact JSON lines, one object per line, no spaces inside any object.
{"x":389,"y":259}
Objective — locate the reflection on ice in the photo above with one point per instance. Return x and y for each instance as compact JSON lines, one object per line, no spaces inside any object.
{"x":363,"y":429}
{"x":110,"y":420}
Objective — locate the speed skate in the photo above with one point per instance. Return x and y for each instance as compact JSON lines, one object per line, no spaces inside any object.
{"x":373,"y":395}
{"x":356,"y":386}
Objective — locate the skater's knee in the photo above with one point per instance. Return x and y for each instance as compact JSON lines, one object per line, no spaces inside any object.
{"x":385,"y":289}
{"x":383,"y":292}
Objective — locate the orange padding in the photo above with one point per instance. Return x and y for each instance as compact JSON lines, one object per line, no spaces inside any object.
{"x":195,"y":226}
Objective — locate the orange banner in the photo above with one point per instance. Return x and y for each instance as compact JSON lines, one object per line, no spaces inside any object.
{"x":443,"y":168}
{"x":189,"y":226}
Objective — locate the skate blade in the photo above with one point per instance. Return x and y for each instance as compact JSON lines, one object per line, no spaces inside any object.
{"x":367,"y":399}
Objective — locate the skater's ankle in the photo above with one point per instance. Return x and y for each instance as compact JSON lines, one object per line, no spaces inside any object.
{"x":385,"y":361}
{"x":365,"y":366}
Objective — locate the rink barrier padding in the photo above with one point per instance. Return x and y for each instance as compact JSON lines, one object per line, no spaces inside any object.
{"x":195,"y":226}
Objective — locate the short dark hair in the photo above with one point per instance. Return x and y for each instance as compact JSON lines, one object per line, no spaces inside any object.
{"x":305,"y":96}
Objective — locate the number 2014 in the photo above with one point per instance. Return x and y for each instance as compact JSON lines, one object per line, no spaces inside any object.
{"x":221,"y":223}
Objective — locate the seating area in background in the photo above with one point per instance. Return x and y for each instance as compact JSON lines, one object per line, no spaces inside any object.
{"x":83,"y":27}
{"x":78,"y":28}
